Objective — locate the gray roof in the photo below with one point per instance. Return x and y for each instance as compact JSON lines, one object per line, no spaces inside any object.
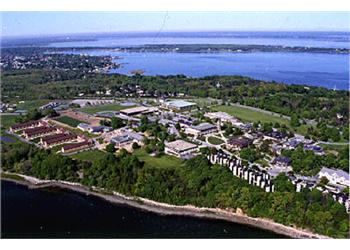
{"x":180,"y":103}
{"x":338,"y":172}
{"x":204,"y":126}
{"x":121,"y":139}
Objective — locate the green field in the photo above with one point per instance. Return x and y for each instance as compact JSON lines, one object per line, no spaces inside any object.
{"x":248,"y":115}
{"x":215,"y":140}
{"x":8,"y":120}
{"x":90,"y":155}
{"x":34,"y":104}
{"x":333,"y":147}
{"x":164,"y":161}
{"x":69,"y":121}
{"x":107,"y":107}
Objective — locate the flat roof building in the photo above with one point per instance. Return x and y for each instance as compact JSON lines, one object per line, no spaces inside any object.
{"x":181,"y":149}
{"x":238,"y":143}
{"x":335,"y":176}
{"x":202,"y":129}
{"x":136,"y":111}
{"x":221,"y":116}
{"x":121,"y":140}
{"x":179,"y":105}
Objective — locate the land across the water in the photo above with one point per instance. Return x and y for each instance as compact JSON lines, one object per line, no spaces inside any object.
{"x":164,"y":208}
{"x":209,"y":48}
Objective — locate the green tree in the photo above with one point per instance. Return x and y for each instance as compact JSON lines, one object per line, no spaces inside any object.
{"x":110,"y":148}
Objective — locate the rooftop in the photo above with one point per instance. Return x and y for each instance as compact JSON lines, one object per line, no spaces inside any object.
{"x":134,"y":110}
{"x":180,"y":103}
{"x":180,"y":145}
{"x":283,"y":159}
{"x":121,"y":139}
{"x":204,"y":126}
{"x":337,"y":172}
{"x":242,"y":142}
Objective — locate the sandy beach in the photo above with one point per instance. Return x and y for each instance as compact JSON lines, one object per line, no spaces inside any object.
{"x":168,"y":209}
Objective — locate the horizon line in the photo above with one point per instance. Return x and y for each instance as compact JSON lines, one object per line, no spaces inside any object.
{"x":167,"y":31}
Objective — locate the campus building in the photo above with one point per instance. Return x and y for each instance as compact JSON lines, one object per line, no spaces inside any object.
{"x":33,"y":133}
{"x":179,"y":105}
{"x":238,"y":143}
{"x":335,"y":176}
{"x":75,"y":147}
{"x":53,"y":140}
{"x":202,"y":129}
{"x":181,"y":149}
{"x":138,"y":111}
{"x":26,"y":125}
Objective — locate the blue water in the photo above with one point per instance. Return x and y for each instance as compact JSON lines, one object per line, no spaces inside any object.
{"x":315,"y":69}
{"x":6,"y":139}
{"x":305,"y":39}
{"x":58,"y":213}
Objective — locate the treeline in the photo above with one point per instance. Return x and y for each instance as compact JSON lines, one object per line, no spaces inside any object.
{"x":306,"y":162}
{"x":307,"y":103}
{"x":195,"y":182}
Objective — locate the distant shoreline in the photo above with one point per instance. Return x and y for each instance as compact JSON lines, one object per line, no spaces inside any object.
{"x":168,"y":209}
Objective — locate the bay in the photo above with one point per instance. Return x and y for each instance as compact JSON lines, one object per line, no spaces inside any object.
{"x":314,"y":69}
{"x":58,"y":213}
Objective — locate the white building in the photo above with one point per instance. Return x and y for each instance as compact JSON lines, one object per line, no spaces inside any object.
{"x":181,"y":149}
{"x":222,"y":117}
{"x":179,"y":105}
{"x":335,"y":176}
{"x":201,"y":129}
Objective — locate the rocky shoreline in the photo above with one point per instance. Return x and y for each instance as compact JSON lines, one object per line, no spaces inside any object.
{"x":168,"y":209}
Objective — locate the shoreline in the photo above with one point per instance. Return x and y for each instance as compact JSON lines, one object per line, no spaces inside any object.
{"x":168,"y":209}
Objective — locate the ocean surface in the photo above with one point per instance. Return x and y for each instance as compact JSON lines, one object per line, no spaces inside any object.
{"x":58,"y":213}
{"x":303,"y":39}
{"x":314,"y":69}
{"x":325,"y":70}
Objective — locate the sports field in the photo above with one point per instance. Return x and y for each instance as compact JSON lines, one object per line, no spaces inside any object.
{"x":107,"y":107}
{"x":69,"y":121}
{"x":248,"y":115}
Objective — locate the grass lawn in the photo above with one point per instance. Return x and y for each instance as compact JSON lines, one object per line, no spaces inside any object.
{"x":69,"y":121}
{"x":248,"y":115}
{"x":333,"y":147}
{"x":90,"y":155}
{"x":164,"y":161}
{"x":215,"y":140}
{"x":34,"y":104}
{"x":106,"y":107}
{"x":8,"y":120}
{"x":12,"y":176}
{"x":57,"y":148}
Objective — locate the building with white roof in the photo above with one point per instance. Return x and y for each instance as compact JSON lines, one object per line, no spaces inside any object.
{"x":181,"y":149}
{"x":335,"y":176}
{"x":222,"y":117}
{"x":179,"y":105}
{"x":201,"y":129}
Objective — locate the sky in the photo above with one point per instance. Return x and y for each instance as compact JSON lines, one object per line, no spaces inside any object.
{"x":48,"y":23}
